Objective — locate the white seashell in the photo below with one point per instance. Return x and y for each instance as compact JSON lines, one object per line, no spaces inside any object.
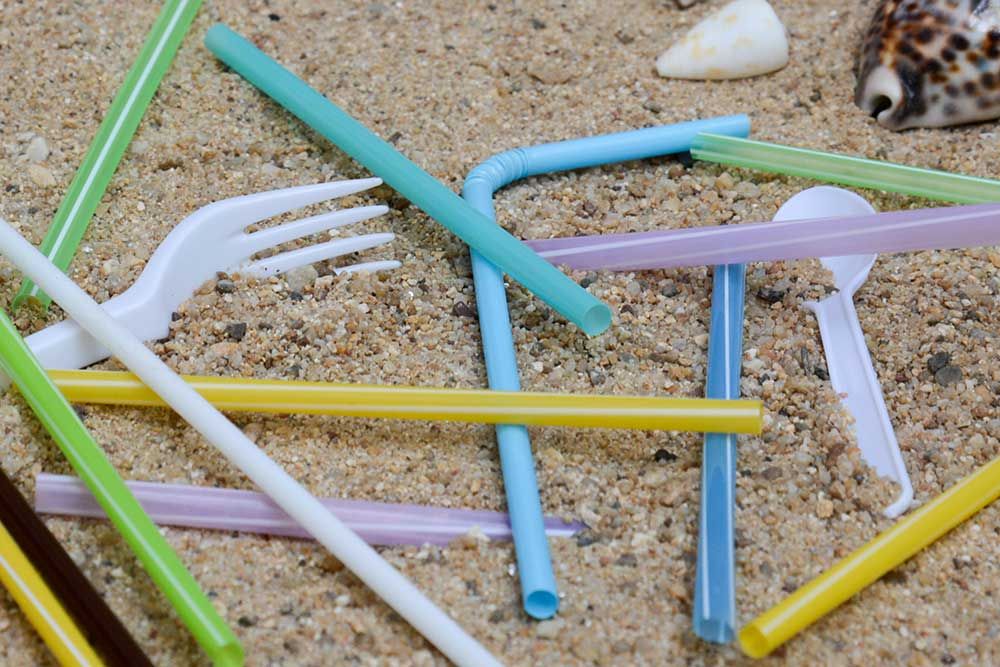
{"x":745,"y":38}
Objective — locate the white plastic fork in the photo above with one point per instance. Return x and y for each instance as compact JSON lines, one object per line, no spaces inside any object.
{"x":210,"y":240}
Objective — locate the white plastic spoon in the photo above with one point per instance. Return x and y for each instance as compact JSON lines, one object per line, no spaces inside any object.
{"x":847,"y":358}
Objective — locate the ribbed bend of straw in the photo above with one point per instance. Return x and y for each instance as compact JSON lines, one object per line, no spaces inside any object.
{"x":539,"y":592}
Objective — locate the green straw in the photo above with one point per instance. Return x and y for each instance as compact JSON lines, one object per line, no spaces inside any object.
{"x":479,"y":232}
{"x":113,"y":136}
{"x":93,"y":466}
{"x":845,"y":170}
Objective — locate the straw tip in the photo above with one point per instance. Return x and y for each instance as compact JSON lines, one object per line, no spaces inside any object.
{"x":218,"y":32}
{"x":596,"y":320}
{"x":716,"y":630}
{"x":753,"y":642}
{"x":541,"y":604}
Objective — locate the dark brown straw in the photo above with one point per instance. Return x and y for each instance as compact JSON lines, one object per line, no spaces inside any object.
{"x":95,"y":619}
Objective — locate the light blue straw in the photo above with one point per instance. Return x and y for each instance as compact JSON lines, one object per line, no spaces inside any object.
{"x":714,"y":586}
{"x":538,"y":584}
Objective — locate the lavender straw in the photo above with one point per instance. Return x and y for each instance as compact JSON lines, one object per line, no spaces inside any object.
{"x":898,"y":231}
{"x":384,"y":524}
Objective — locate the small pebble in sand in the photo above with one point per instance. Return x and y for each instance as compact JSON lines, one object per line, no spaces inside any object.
{"x":948,"y":375}
{"x":41,"y":176}
{"x":550,"y":73}
{"x":225,"y":286}
{"x":38,"y":150}
{"x":772,"y":473}
{"x":461,"y":309}
{"x":627,"y":560}
{"x":236,"y":330}
{"x":621,"y":646}
{"x":770,"y":295}
{"x":724,"y":182}
{"x":824,"y":508}
{"x":301,"y":277}
{"x":224,"y":349}
{"x":663,"y":456}
{"x":549,"y":629}
{"x":747,"y":189}
{"x":938,"y":361}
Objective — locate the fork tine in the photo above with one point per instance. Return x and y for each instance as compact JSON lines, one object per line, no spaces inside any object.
{"x":286,"y":261}
{"x":269,"y":238}
{"x":369,"y":267}
{"x":239,"y":212}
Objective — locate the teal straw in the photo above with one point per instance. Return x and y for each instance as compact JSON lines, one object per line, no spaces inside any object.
{"x":478,"y":231}
{"x":112,"y":138}
{"x":93,"y":466}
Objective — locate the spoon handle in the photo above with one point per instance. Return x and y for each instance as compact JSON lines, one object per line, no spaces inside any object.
{"x":853,"y":378}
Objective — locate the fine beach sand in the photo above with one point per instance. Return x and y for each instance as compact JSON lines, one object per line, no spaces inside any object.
{"x":451,"y":83}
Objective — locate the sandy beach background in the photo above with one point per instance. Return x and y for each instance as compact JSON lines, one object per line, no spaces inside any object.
{"x":451,"y":83}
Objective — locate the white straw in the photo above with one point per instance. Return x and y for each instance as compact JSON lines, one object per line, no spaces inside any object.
{"x":291,"y":496}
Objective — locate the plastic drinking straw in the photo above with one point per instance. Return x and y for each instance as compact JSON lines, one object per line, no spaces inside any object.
{"x":833,"y":168}
{"x":540,"y":278}
{"x":896,"y":231}
{"x":111,"y":140}
{"x":42,"y":608}
{"x":892,"y":547}
{"x":538,"y":586}
{"x":90,"y":462}
{"x":291,"y":496}
{"x":85,"y":605}
{"x":714,"y":614}
{"x":387,"y":524}
{"x":400,"y":402}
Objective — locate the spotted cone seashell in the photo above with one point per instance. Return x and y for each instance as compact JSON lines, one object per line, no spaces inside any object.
{"x":931,"y":63}
{"x":744,"y":38}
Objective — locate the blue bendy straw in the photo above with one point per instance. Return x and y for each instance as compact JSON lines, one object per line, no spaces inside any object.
{"x":538,"y":584}
{"x":714,"y":614}
{"x":522,"y":264}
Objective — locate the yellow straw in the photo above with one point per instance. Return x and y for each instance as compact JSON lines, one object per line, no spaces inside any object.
{"x":482,"y":406}
{"x":894,"y":546}
{"x":38,"y":603}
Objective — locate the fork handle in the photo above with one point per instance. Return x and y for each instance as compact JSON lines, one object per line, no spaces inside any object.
{"x":66,"y":345}
{"x":853,"y":377}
